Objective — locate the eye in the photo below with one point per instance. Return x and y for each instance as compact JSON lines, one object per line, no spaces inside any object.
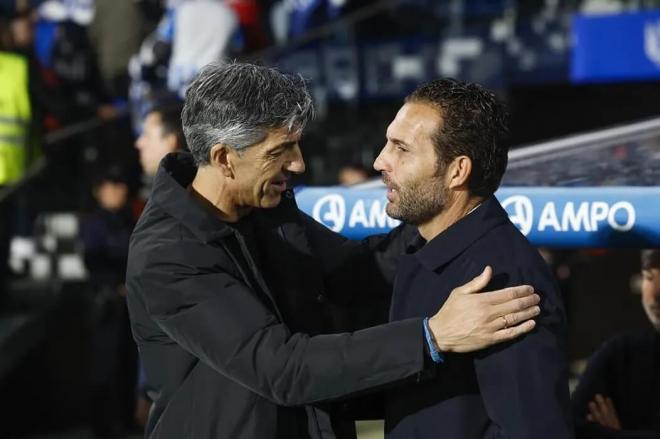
{"x":400,"y":147}
{"x":276,"y":153}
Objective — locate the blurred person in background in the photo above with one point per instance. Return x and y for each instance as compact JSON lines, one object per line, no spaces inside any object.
{"x":18,"y":126}
{"x":15,"y":97}
{"x":203,"y":31}
{"x":116,"y":33}
{"x":352,"y":174}
{"x":105,"y":235}
{"x":68,"y":60}
{"x":618,"y":396}
{"x":162,"y":134}
{"x":252,"y":21}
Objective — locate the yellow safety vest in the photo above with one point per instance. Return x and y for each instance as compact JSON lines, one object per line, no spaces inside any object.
{"x":15,"y":115}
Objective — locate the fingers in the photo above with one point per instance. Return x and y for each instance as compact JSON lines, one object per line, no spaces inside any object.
{"x":512,"y":332}
{"x":602,"y":411}
{"x":596,"y":414}
{"x":609,"y":412}
{"x":514,"y":306}
{"x":507,"y":295}
{"x":477,"y":284}
{"x":513,"y":319}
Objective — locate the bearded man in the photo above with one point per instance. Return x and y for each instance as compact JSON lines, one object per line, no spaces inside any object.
{"x":442,"y":163}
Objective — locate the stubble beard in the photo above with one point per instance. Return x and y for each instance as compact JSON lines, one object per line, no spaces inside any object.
{"x":418,"y":201}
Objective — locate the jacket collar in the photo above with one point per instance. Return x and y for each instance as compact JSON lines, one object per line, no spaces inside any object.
{"x":460,"y":235}
{"x":176,"y":171}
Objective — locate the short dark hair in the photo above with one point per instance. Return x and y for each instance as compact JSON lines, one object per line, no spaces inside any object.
{"x":170,"y":120}
{"x":650,"y":259}
{"x":474,"y":124}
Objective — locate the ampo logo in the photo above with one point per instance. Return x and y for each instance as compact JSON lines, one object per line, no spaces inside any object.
{"x":652,"y":41}
{"x":521,"y":212}
{"x":331,"y":211}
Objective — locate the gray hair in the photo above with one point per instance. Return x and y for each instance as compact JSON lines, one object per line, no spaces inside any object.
{"x":236,"y":104}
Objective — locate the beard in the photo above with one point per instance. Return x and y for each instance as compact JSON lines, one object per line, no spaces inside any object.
{"x":418,"y":201}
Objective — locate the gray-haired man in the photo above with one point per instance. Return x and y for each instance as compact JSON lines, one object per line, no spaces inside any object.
{"x":230,"y":285}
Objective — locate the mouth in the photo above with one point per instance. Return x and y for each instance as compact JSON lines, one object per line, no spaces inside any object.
{"x":279,"y":185}
{"x":391,"y":187}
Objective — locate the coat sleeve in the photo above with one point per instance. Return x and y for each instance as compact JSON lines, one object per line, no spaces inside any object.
{"x":524,"y":384}
{"x":220,"y":321}
{"x":601,"y":372}
{"x":358,"y":271}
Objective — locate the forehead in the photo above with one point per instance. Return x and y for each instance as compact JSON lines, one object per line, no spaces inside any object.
{"x":153,"y":120}
{"x":278,"y":136}
{"x":415,"y":122}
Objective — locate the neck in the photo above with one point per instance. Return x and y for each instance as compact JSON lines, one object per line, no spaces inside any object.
{"x":213,"y":191}
{"x":456,"y":208}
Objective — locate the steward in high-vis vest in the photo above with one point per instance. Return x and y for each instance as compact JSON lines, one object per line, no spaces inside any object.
{"x":15,"y":116}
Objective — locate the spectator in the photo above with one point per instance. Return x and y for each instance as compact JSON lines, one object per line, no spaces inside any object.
{"x":15,"y":122}
{"x":617,"y":396}
{"x":250,"y":18}
{"x":115,"y":34}
{"x":67,"y":57}
{"x":352,"y":174}
{"x":202,"y":34}
{"x":15,"y":104}
{"x":105,"y":234}
{"x":161,"y":134}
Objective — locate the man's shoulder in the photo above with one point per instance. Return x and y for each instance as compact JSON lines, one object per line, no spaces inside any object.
{"x":629,"y":342}
{"x":160,"y":239}
{"x":508,"y":245}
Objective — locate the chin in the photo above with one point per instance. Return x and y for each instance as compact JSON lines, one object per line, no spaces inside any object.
{"x":270,"y":202}
{"x":390,"y":210}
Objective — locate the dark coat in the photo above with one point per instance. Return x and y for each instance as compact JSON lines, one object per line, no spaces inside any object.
{"x":216,"y":325}
{"x":516,"y":390}
{"x":626,"y":369}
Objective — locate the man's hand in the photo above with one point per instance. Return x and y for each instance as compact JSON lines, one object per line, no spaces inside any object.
{"x":469,"y":321}
{"x":602,"y":411}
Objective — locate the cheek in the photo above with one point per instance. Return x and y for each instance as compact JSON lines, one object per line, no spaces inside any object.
{"x":649,"y":291}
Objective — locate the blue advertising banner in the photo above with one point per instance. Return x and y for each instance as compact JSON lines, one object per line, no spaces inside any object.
{"x":549,"y":217}
{"x":616,"y":47}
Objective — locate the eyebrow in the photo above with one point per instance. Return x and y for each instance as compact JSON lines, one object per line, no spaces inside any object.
{"x":399,"y":142}
{"x":282,"y":146}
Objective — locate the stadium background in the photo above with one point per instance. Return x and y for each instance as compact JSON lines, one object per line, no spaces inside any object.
{"x":563,"y":67}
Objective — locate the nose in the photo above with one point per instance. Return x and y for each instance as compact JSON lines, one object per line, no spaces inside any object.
{"x":380,"y":164}
{"x":295,"y":163}
{"x":138,"y":142}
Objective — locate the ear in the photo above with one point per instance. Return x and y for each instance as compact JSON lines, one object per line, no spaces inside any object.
{"x":223,"y":157}
{"x":172,"y":142}
{"x":459,"y":172}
